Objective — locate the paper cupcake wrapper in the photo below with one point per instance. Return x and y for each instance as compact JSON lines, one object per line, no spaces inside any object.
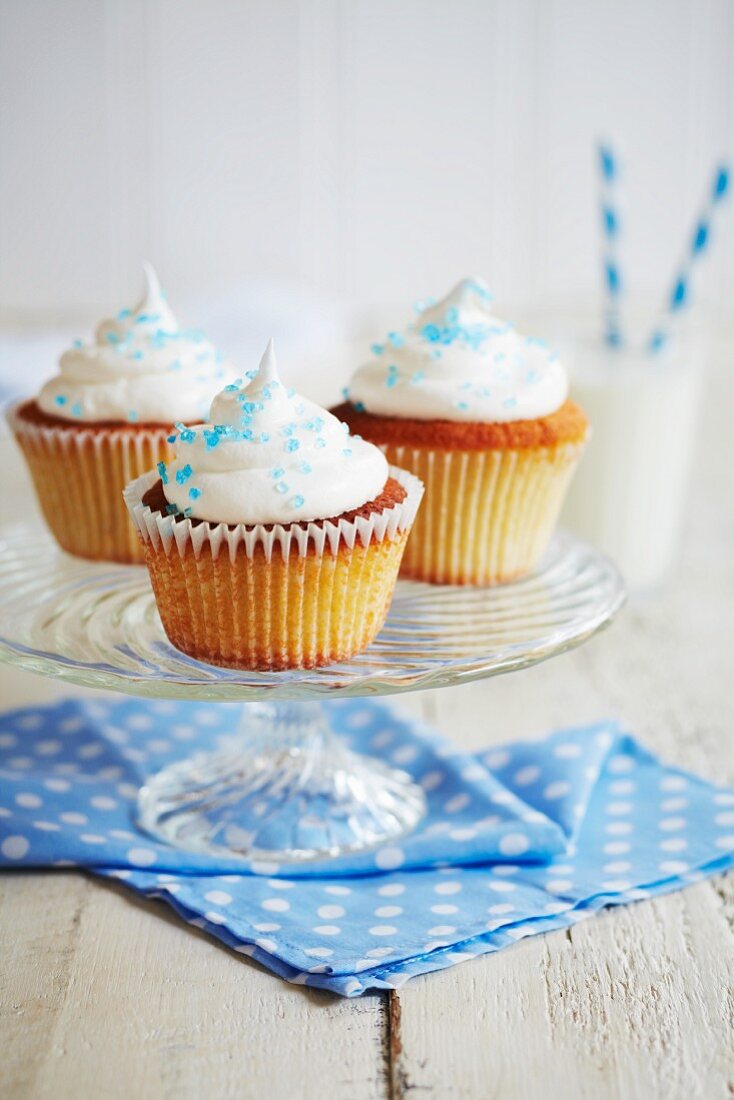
{"x":323,"y":537}
{"x":487,"y":516}
{"x":280,"y":598}
{"x":79,"y":476}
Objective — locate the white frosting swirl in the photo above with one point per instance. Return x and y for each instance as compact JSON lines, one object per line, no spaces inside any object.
{"x":459,"y":362}
{"x":140,"y":367}
{"x":270,"y":456}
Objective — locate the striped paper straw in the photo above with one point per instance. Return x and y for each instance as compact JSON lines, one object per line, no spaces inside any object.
{"x":680,"y":294}
{"x":609,"y":179}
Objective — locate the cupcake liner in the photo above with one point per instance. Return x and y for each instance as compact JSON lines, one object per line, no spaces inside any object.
{"x":273,"y":598}
{"x":79,"y":475}
{"x":487,"y":516}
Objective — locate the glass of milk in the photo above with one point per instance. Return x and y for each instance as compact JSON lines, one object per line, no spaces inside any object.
{"x":629,"y":492}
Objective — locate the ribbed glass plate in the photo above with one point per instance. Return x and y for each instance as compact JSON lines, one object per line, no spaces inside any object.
{"x":97,"y":624}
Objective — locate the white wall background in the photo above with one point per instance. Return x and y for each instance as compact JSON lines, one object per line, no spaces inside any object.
{"x":373,"y":149}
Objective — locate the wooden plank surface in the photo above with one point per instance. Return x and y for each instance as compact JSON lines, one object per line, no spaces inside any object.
{"x":105,"y":995}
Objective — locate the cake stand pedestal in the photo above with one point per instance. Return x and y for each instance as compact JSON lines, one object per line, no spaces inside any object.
{"x":284,"y":789}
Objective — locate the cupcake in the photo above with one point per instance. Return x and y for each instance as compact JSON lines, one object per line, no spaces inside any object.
{"x":105,"y":418}
{"x":481,"y":415}
{"x":273,"y":538}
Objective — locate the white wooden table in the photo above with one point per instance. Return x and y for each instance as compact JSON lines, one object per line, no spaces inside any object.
{"x":106,"y":995}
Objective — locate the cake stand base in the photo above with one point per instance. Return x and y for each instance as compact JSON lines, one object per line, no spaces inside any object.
{"x":284,"y":790}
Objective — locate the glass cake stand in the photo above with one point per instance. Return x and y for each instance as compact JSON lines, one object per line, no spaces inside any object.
{"x":284,"y":789}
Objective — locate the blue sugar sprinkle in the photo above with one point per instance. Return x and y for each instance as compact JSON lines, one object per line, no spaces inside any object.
{"x":292,"y":445}
{"x":377,"y":349}
{"x":396,"y":339}
{"x":211,"y":438}
{"x":452,"y":315}
{"x":112,"y":338}
{"x":187,"y":435}
{"x":123,"y":314}
{"x":218,"y":356}
{"x":465,"y":386}
{"x":281,"y":487}
{"x":264,"y":437}
{"x":305,"y":468}
{"x":347,"y":452}
{"x":277,"y":472}
{"x":320,"y":442}
{"x":187,"y":512}
{"x":78,"y":344}
{"x":136,"y":354}
{"x":436,"y":353}
{"x":315,"y":424}
{"x":462,"y":405}
{"x":132,"y":416}
{"x":194,"y":493}
{"x":510,"y":402}
{"x":298,"y":501}
{"x":76,"y":409}
{"x":360,"y":406}
{"x":61,"y":399}
{"x":171,"y":438}
{"x":184,"y":474}
{"x":345,"y":392}
{"x":250,"y":374}
{"x":417,"y":378}
{"x":161,"y":467}
{"x":171,"y":509}
{"x":431,"y":332}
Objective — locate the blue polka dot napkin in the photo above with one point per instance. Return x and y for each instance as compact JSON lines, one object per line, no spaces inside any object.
{"x":518,"y":840}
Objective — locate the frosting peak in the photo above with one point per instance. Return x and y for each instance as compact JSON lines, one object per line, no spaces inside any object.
{"x":269,"y":455}
{"x":140,"y":366}
{"x":458,"y":361}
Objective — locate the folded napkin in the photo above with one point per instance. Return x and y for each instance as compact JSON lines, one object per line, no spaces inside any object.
{"x":518,"y":840}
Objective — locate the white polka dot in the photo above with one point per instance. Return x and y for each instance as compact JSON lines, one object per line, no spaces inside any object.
{"x":567,"y":751}
{"x":280,"y":884}
{"x":4,"y":812}
{"x":263,"y":867}
{"x":457,"y":803}
{"x":501,"y":887}
{"x":318,"y":952}
{"x":266,"y":926}
{"x":619,"y":867}
{"x":556,"y":907}
{"x":497,"y":759}
{"x":93,"y":838}
{"x":556,"y":790}
{"x":28,"y":801}
{"x":442,"y":930}
{"x":431,"y":780}
{"x":434,"y":945}
{"x":501,"y":908}
{"x":29,"y":722}
{"x":447,"y":888}
{"x":276,"y":905}
{"x":382,"y":930}
{"x":513,"y":844}
{"x":618,"y":828}
{"x":102,"y":802}
{"x":724,"y":798}
{"x":672,"y":824}
{"x":525,"y":776}
{"x":127,"y":790}
{"x":327,"y":930}
{"x":267,"y":945}
{"x":462,"y":834}
{"x":392,"y":890}
{"x":503,"y":798}
{"x":71,"y":725}
{"x":381,"y":740}
{"x":47,"y":748}
{"x":621,"y":763}
{"x":505,"y":869}
{"x":19,"y":763}
{"x":378,"y":952}
{"x":141,"y":857}
{"x":387,"y":859}
{"x":8,"y":740}
{"x":444,"y":910}
{"x":474,"y":773}
{"x":619,"y":809}
{"x":726,"y":842}
{"x":339,"y":891}
{"x":616,"y":886}
{"x":559,"y":886}
{"x":74,"y":818}
{"x":673,"y":844}
{"x":673,"y":783}
{"x":46,"y":826}
{"x":218,"y":897}
{"x":358,"y":719}
{"x":122,"y":834}
{"x":617,"y":847}
{"x":14,"y":847}
{"x":622,"y":786}
{"x":673,"y":867}
{"x":89,"y":751}
{"x":405,"y":754}
{"x":388,"y":911}
{"x":725,"y":819}
{"x":330,"y":912}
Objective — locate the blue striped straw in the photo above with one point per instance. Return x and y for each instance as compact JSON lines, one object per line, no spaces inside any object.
{"x":680,"y":293}
{"x":610,"y":220}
